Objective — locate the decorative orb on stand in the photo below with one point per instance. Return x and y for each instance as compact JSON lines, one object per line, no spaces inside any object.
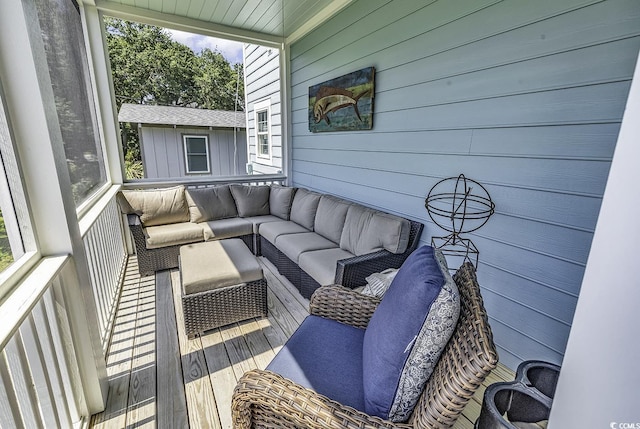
{"x":459,"y":206}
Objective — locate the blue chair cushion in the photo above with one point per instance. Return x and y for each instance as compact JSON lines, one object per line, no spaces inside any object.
{"x":394,"y":328}
{"x":325,"y":356}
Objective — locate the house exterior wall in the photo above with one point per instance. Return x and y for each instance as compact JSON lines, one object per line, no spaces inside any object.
{"x":163,"y":151}
{"x":524,"y":97}
{"x":262,"y":84}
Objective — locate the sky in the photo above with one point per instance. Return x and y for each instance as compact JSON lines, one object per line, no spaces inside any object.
{"x":232,"y":51}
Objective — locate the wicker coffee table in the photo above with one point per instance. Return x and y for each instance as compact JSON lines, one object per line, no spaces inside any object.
{"x":222,"y":283}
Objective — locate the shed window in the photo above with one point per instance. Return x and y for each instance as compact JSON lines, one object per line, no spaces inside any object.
{"x":196,"y":154}
{"x":263,"y":128}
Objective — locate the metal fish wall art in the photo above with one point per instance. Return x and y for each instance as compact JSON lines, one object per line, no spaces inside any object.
{"x":330,"y":99}
{"x":344,"y":103}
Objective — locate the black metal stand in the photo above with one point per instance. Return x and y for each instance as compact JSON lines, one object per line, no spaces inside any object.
{"x":453,"y":245}
{"x":461,"y":210}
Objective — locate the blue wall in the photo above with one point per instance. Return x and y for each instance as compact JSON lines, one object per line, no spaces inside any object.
{"x":524,"y":97}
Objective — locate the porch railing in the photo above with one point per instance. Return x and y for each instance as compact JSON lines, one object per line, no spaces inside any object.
{"x":197,"y":182}
{"x":104,"y":245}
{"x":39,"y":375}
{"x":40,"y":381}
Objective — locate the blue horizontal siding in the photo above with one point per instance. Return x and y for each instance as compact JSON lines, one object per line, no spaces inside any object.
{"x":525,"y":97}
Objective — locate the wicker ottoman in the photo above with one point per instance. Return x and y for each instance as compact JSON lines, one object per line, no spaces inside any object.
{"x":222,"y":283}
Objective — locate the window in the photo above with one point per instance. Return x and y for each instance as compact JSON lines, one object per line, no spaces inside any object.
{"x":196,"y":154}
{"x":16,"y":235}
{"x":61,"y":28}
{"x":263,"y":129}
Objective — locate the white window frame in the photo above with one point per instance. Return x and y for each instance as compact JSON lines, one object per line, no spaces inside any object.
{"x":19,"y":228}
{"x":186,"y":152}
{"x":263,"y":106}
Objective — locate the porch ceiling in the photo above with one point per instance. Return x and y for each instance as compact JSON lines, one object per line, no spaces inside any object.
{"x":266,"y":20}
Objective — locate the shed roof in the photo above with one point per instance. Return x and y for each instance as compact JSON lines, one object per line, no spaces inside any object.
{"x":173,"y":115}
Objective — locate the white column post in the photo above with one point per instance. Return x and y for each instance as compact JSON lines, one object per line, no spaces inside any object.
{"x":100,"y":67}
{"x":599,"y":385}
{"x":285,"y":100}
{"x":32,"y":112}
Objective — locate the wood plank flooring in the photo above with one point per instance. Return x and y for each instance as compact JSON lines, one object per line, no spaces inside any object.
{"x":160,"y":378}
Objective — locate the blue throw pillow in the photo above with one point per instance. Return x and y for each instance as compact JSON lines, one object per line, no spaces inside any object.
{"x":395,"y":326}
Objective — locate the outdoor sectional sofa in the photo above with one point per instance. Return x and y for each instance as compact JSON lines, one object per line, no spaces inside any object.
{"x":313,"y":239}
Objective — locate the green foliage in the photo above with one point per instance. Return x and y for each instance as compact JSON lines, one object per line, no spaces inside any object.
{"x":133,"y":169}
{"x":6,"y":256}
{"x":217,"y":82}
{"x":148,"y":67}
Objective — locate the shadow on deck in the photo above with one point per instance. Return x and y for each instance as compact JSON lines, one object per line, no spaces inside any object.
{"x":160,"y":378}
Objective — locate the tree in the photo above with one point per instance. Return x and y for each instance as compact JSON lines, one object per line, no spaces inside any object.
{"x":148,"y":67}
{"x":217,"y":82}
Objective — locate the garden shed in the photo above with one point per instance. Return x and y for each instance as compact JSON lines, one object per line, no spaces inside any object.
{"x":183,"y":142}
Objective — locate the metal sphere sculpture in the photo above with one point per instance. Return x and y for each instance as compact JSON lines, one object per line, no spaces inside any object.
{"x":458,"y":205}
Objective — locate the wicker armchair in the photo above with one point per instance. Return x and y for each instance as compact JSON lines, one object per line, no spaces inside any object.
{"x":265,"y":399}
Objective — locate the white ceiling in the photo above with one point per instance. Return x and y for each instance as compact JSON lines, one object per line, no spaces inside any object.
{"x":242,"y":20}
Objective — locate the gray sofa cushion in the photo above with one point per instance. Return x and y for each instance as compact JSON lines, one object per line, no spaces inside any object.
{"x":251,"y":200}
{"x":367,"y":230}
{"x":211,"y":203}
{"x":258,"y":220}
{"x":321,"y":264}
{"x":272,"y":230}
{"x":172,"y":234}
{"x":226,"y":228}
{"x":280,"y":200}
{"x":292,"y":245}
{"x":330,"y":217}
{"x":303,"y":209}
{"x":157,"y":206}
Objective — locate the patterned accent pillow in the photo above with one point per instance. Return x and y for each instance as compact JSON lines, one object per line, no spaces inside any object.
{"x":394,"y":328}
{"x":378,"y":283}
{"x":429,"y":344}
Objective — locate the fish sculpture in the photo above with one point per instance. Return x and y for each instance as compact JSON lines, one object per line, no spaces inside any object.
{"x":329,"y":99}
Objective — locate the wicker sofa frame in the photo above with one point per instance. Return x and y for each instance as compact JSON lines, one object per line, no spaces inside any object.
{"x":350,"y":272}
{"x":264,"y":399}
{"x":161,"y":258}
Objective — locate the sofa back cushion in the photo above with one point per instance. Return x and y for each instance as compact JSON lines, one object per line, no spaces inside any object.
{"x":367,"y":230}
{"x":304,"y":207}
{"x":157,"y":206}
{"x":280,"y":200}
{"x":213,"y":203}
{"x":251,"y":200}
{"x":398,"y":347}
{"x":330,"y":217}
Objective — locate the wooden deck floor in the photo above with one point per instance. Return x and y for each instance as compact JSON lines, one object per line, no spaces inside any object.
{"x":159,"y":378}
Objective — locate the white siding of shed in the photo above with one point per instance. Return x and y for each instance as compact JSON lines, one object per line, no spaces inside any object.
{"x":163,"y":151}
